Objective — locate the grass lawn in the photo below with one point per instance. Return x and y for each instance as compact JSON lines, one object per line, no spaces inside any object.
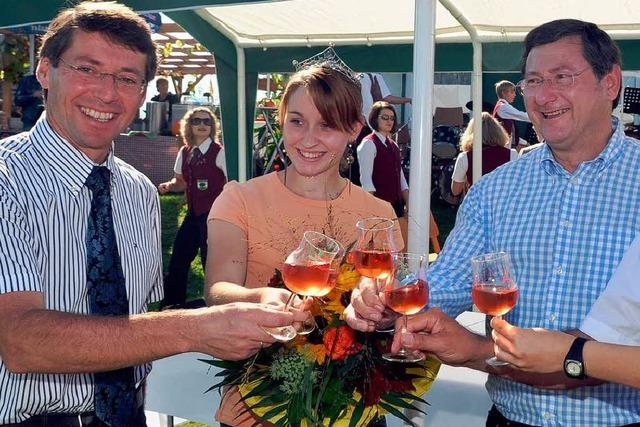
{"x":174,"y":208}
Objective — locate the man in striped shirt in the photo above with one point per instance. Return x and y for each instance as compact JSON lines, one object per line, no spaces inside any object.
{"x":94,"y":63}
{"x":577,"y":215}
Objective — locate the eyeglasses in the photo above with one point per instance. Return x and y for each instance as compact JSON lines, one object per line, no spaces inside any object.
{"x":385,"y":117}
{"x":195,"y":121}
{"x":128,"y":83}
{"x":530,"y":86}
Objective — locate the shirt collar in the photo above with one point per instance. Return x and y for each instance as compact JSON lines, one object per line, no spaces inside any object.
{"x":204,"y":147}
{"x":70,"y":165}
{"x":611,"y":151}
{"x":381,"y":137}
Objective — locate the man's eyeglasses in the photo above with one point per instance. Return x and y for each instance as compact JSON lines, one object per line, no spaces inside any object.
{"x":195,"y":121}
{"x":129,"y":83}
{"x":531,"y":85}
{"x":387,"y":118}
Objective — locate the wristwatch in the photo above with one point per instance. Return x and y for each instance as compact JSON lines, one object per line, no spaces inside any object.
{"x":573,"y":362}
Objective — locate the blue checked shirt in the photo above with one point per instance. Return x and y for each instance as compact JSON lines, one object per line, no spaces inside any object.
{"x":566,"y":233}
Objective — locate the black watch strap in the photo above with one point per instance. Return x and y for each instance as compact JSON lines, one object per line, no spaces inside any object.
{"x":574,"y":362}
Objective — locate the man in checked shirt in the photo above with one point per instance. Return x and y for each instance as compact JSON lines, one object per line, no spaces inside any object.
{"x":578,"y":214}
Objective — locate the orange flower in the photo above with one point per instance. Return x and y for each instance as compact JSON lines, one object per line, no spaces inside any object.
{"x":340,"y":342}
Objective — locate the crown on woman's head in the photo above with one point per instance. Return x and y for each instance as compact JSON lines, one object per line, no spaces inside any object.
{"x":328,"y":58}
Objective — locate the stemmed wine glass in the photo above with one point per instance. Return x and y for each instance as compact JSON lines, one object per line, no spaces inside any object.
{"x":494,"y":291}
{"x":306,"y":272}
{"x":373,"y":249}
{"x":406,"y":292}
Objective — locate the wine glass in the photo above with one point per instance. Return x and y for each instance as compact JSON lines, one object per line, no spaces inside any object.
{"x":406,"y":292}
{"x":373,"y":249}
{"x":306,"y":272}
{"x":494,"y":291}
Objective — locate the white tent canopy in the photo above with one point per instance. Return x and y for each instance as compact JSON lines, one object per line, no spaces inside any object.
{"x":353,"y":22}
{"x":318,"y":22}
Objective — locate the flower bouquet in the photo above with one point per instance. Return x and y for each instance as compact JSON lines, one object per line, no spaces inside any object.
{"x":334,"y":376}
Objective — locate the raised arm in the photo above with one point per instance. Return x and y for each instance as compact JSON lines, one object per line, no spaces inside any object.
{"x":227,"y":269}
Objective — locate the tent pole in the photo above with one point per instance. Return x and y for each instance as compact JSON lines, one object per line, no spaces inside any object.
{"x":422,"y":119}
{"x":476,"y":85}
{"x":242,"y":116}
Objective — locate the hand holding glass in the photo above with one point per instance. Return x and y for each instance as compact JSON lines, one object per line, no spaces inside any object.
{"x":406,"y":292}
{"x":306,"y":271}
{"x":373,"y":249}
{"x":494,"y":291}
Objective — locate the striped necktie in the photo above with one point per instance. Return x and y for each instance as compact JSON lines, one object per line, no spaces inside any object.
{"x":115,"y":394}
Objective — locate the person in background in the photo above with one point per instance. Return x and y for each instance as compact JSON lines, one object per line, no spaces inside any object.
{"x":495,"y":152}
{"x":578,"y":213}
{"x":253,"y":226}
{"x":162,"y":85}
{"x":609,"y":344}
{"x":507,"y":114}
{"x":380,"y":163}
{"x":373,"y":88}
{"x":29,"y":98}
{"x":201,"y":171}
{"x":80,"y":250}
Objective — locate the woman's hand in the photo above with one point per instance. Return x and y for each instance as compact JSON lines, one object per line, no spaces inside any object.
{"x":367,"y":308}
{"x":164,"y":187}
{"x":530,"y":349}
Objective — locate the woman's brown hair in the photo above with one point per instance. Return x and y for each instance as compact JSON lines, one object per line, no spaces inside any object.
{"x":336,"y":96}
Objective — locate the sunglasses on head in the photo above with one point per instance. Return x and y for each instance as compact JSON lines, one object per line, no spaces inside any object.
{"x":197,"y":121}
{"x":386,"y":117}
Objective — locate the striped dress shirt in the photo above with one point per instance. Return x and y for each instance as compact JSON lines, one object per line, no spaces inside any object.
{"x":569,"y":233}
{"x":44,"y":209}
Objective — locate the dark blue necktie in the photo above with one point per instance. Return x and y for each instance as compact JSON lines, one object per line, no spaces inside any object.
{"x":115,"y":395}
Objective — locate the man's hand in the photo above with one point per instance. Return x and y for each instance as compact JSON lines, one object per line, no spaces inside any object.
{"x":235,"y":331}
{"x":442,"y":336}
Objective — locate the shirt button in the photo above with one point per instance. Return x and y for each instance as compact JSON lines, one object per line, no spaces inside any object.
{"x":566,"y":224}
{"x":546,"y":415}
{"x":552,"y":318}
{"x":575,"y":181}
{"x":559,"y":270}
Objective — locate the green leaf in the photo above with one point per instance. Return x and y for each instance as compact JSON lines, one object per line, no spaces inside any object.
{"x":411,"y":396}
{"x":394,"y":411}
{"x":275,"y":411}
{"x":225,"y":364}
{"x":260,"y":388}
{"x":358,"y":410}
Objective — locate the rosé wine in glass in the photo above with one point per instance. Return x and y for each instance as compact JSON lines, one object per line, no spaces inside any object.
{"x":494,"y":292}
{"x":311,"y":280}
{"x":492,"y":300}
{"x":406,"y":292}
{"x":409,"y":299}
{"x":306,"y":272}
{"x":374,"y":264}
{"x":371,"y":255}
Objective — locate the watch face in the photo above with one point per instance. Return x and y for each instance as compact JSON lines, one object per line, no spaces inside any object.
{"x":573,"y":368}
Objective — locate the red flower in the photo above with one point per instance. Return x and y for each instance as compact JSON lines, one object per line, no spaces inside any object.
{"x":340,"y":342}
{"x":378,"y":384}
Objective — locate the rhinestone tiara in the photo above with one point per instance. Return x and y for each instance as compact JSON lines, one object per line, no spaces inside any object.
{"x":328,"y":58}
